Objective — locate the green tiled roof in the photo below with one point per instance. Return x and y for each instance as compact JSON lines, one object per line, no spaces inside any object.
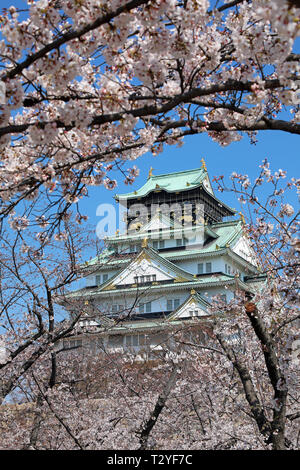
{"x":226,"y":234}
{"x":203,"y":282}
{"x":153,"y":255}
{"x":142,"y":325}
{"x":134,"y":237}
{"x":197,"y":298}
{"x":102,"y":258}
{"x":170,"y":182}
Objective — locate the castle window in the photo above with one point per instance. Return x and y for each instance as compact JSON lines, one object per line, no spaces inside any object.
{"x":158,"y":244}
{"x":115,"y":341}
{"x":200,"y":268}
{"x":143,"y":279}
{"x":98,"y":280}
{"x":72,"y":343}
{"x":145,"y":307}
{"x":117,"y":308}
{"x":172,"y":304}
{"x":128,"y":340}
{"x":159,"y":339}
{"x":135,"y":340}
{"x":180,"y":242}
{"x":194,"y":313}
{"x":105,"y":277}
{"x":208,"y":267}
{"x":228,"y":269}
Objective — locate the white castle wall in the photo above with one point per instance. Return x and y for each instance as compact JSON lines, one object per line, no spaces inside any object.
{"x":243,"y":249}
{"x":91,"y":279}
{"x":125,"y":302}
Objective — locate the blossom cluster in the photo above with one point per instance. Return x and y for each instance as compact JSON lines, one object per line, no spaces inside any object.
{"x":92,"y":82}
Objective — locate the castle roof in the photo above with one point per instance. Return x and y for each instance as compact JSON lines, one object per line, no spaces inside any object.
{"x":176,"y":182}
{"x":223,"y":236}
{"x":170,"y":182}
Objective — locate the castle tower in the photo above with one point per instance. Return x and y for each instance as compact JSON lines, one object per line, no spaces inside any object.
{"x":179,"y":250}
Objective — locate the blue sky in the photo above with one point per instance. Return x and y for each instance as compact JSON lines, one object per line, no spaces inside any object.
{"x":281,"y":149}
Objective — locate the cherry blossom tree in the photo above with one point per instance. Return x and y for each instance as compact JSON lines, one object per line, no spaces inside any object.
{"x":229,"y":382}
{"x":33,"y":273}
{"x":91,"y":85}
{"x":87,"y":86}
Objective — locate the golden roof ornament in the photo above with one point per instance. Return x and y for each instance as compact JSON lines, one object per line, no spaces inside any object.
{"x":193,"y":292}
{"x":242,"y":218}
{"x":150,"y":172}
{"x":203,"y":164}
{"x":145,"y":243}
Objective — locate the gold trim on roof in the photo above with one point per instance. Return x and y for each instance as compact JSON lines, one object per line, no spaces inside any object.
{"x":143,"y":255}
{"x":242,"y":218}
{"x":150,"y":172}
{"x":110,"y":287}
{"x":180,"y":279}
{"x":203,"y":164}
{"x":145,"y":243}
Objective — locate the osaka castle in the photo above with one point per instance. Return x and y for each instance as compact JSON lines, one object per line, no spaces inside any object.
{"x":181,"y":246}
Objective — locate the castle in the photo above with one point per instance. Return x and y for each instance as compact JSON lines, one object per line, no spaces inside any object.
{"x":181,"y":247}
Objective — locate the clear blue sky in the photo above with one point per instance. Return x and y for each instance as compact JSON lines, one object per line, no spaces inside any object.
{"x":281,"y":149}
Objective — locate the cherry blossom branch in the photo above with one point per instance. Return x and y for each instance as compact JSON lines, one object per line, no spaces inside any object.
{"x":150,"y":110}
{"x":251,"y":396}
{"x":159,"y":406}
{"x":276,"y":377}
{"x":59,"y":419}
{"x":72,"y":35}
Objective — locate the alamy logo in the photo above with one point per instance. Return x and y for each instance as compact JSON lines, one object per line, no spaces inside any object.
{"x":2,"y":353}
{"x":296,"y":352}
{"x":169,"y":220}
{"x":2,"y":93}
